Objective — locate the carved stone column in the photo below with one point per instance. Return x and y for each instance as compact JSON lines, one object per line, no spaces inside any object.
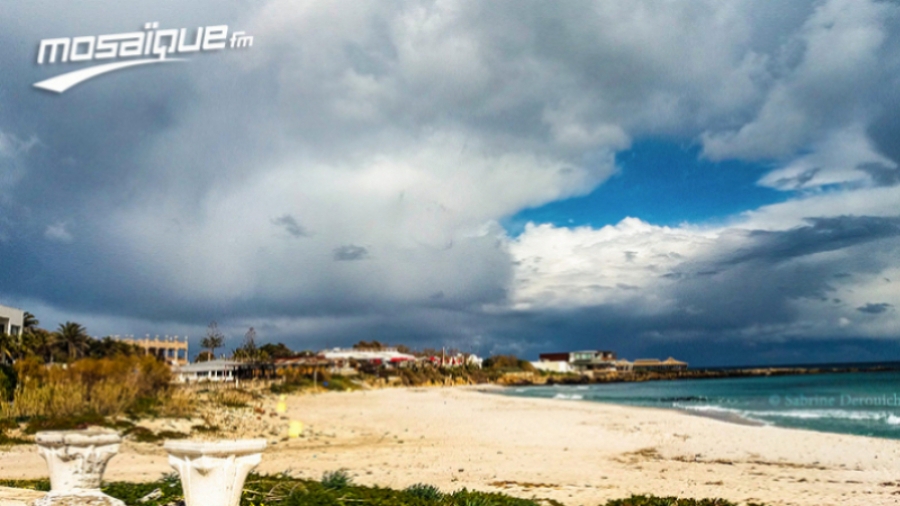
{"x":77,"y":459}
{"x":213,"y":472}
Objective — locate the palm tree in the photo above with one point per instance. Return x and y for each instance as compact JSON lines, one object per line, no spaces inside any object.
{"x":39,"y":342}
{"x":74,"y":336}
{"x":214,"y":339}
{"x":29,"y":322}
{"x":8,"y":348}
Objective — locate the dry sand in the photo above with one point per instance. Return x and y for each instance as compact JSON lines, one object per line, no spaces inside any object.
{"x":571,"y":451}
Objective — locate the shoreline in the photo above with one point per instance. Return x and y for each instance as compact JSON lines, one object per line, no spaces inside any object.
{"x":746,"y":404}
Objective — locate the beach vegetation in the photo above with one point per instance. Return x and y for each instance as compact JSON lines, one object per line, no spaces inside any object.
{"x":205,"y":429}
{"x":644,"y":500}
{"x":507,"y":363}
{"x":145,"y":435}
{"x":88,"y":392}
{"x":294,"y":380}
{"x":233,"y":397}
{"x":336,"y":480}
{"x":425,"y":491}
{"x":278,"y":350}
{"x":75,"y":338}
{"x":284,"y":490}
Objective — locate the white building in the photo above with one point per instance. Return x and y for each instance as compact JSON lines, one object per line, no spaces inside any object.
{"x":473,"y":359}
{"x":556,"y":366}
{"x":460,"y":359}
{"x":213,"y":370}
{"x":382,"y":356}
{"x":12,"y":320}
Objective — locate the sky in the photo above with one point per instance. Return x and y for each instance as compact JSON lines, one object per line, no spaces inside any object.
{"x":716,"y":181}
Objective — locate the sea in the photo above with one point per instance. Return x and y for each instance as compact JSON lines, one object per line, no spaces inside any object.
{"x":860,"y":403}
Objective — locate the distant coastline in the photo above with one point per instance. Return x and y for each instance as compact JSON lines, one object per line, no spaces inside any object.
{"x":525,"y":379}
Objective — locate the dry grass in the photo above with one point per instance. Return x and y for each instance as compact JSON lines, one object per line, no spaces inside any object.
{"x":105,"y":387}
{"x":233,"y":398}
{"x":179,"y":403}
{"x":33,"y":398}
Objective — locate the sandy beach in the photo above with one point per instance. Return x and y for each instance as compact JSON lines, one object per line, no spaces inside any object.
{"x":579,"y":453}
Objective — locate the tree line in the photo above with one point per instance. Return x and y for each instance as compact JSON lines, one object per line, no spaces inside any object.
{"x":69,"y":342}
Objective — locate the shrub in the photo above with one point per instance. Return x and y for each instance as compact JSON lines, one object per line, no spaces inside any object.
{"x":83,"y":421}
{"x":143,"y":407}
{"x":142,"y":435}
{"x":425,"y":491}
{"x":145,"y":435}
{"x":472,"y":498}
{"x":8,"y":382}
{"x":283,"y":388}
{"x":507,"y":363}
{"x":233,"y":398}
{"x":179,"y":403}
{"x":336,"y":480}
{"x":340,"y":384}
{"x":106,"y":387}
{"x":205,"y":429}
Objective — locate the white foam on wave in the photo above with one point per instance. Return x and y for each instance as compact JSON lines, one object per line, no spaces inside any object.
{"x":721,"y":410}
{"x":818,"y":414}
{"x":893,"y":419}
{"x":571,"y":397}
{"x":707,"y":407}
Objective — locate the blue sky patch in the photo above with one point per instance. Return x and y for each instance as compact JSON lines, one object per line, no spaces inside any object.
{"x":663,"y":183}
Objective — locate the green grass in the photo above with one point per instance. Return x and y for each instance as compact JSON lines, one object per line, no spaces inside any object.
{"x":425,"y":492}
{"x":337,"y":489}
{"x":336,"y":480}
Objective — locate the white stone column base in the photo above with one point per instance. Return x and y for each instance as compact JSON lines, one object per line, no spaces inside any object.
{"x":76,"y":460}
{"x":213,"y":473}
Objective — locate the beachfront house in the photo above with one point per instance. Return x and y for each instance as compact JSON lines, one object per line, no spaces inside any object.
{"x":585,"y":360}
{"x":457,"y":360}
{"x":312,"y":363}
{"x":655,"y":365}
{"x":553,"y":366}
{"x":171,"y":349}
{"x":623,"y":365}
{"x":388,"y":357}
{"x":213,"y":370}
{"x":12,"y":321}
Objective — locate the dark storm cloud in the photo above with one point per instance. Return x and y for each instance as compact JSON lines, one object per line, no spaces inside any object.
{"x":147,"y":197}
{"x":290,"y":225}
{"x":881,"y":174}
{"x":874,"y":308}
{"x":759,"y":284}
{"x":825,"y":234}
{"x":616,"y":329}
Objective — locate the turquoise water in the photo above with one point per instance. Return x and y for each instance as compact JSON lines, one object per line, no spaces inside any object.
{"x":865,"y":404}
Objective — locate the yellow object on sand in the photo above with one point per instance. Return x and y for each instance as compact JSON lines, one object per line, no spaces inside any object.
{"x":281,"y":407}
{"x":295,"y":428}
